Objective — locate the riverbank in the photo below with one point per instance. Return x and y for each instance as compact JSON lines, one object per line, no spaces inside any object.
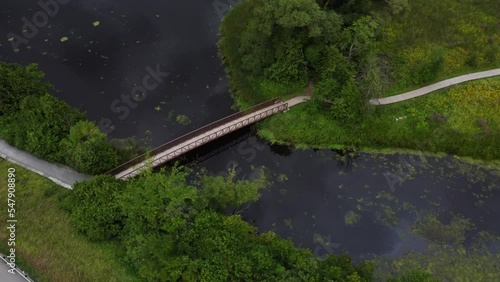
{"x":460,"y":121}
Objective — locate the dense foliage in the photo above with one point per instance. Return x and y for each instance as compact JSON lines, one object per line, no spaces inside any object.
{"x":17,"y":82}
{"x":174,"y":231}
{"x":362,"y":50}
{"x":275,"y":48}
{"x":33,"y":120}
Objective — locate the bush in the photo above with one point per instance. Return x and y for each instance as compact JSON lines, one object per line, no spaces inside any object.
{"x":347,"y":108}
{"x":39,"y":125}
{"x":95,"y":212}
{"x":18,"y":82}
{"x":87,"y":150}
{"x":428,"y":69}
{"x":415,"y":276}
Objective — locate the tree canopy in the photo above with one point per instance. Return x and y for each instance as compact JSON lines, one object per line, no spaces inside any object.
{"x":174,"y":230}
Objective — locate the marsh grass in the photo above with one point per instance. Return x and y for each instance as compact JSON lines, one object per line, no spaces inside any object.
{"x":436,"y":40}
{"x":462,"y":121}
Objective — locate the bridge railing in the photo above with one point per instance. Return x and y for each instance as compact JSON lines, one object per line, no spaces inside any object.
{"x":139,"y":159}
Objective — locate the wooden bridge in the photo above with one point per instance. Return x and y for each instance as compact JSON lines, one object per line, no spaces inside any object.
{"x":199,"y":137}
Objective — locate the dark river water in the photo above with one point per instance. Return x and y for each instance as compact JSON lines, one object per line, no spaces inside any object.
{"x":98,"y":52}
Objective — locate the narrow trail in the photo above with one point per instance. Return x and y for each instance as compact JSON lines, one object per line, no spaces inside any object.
{"x":436,"y":86}
{"x":61,"y":175}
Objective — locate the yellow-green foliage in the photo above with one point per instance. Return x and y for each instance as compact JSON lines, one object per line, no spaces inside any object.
{"x":467,"y":104}
{"x":467,"y":34}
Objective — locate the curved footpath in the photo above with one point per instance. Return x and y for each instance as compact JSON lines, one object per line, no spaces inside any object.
{"x":436,"y":86}
{"x":57,"y":173}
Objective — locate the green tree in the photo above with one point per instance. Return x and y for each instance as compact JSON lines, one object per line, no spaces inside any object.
{"x":95,"y":210}
{"x":415,"y":276}
{"x":221,"y":192}
{"x":347,"y":108}
{"x":287,"y":15}
{"x":358,"y":40}
{"x":171,"y":232}
{"x":43,"y":122}
{"x":87,"y":149}
{"x":18,"y":82}
{"x":290,"y":65}
{"x":276,"y":34}
{"x":398,"y":6}
{"x":158,"y":202}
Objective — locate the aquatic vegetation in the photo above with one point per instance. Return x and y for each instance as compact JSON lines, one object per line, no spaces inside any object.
{"x":386,"y":216}
{"x":445,"y":263}
{"x":288,"y":222}
{"x":183,"y":119}
{"x":282,"y":177}
{"x":351,"y":218}
{"x":431,"y":228}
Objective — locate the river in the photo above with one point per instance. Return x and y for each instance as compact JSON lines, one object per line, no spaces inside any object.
{"x":331,"y":202}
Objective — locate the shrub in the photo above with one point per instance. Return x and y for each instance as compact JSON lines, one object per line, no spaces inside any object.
{"x":428,"y":69}
{"x":18,"y":82}
{"x":95,"y":212}
{"x":40,"y":124}
{"x":87,"y":150}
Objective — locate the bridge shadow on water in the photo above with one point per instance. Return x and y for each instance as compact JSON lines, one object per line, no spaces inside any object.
{"x":196,"y":156}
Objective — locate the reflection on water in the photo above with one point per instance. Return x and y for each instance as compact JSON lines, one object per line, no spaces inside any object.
{"x":347,"y":201}
{"x":96,"y":65}
{"x":330,"y":201}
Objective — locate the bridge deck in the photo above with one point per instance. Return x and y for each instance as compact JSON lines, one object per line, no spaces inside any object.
{"x":205,"y":137}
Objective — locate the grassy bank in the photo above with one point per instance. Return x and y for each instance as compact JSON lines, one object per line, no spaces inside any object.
{"x":430,"y":41}
{"x":462,"y":121}
{"x":415,"y":45}
{"x":48,"y":247}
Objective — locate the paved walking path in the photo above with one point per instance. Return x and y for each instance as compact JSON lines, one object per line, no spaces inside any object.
{"x":434,"y":87}
{"x":6,"y":276}
{"x":57,"y":173}
{"x":297,"y":100}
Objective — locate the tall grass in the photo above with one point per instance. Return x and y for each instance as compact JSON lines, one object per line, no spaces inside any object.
{"x":48,"y":247}
{"x":435,"y":40}
{"x":463,"y":120}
